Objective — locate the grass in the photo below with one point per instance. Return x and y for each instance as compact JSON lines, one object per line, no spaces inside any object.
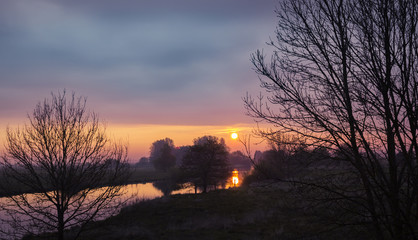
{"x":260,"y":211}
{"x":243,"y":213}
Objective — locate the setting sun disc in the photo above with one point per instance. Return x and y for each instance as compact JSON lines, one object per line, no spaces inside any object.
{"x":234,"y":135}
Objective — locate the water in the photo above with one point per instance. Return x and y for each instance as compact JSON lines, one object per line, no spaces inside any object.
{"x":147,"y":191}
{"x":131,"y":193}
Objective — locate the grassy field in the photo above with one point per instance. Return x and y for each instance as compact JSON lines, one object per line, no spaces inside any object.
{"x":267,"y":212}
{"x":263,"y":210}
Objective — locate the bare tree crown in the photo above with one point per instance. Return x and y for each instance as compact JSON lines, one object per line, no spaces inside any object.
{"x":343,"y":76}
{"x":63,"y":155}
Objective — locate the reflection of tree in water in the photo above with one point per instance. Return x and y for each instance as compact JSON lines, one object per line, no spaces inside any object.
{"x":165,"y":186}
{"x":170,"y":184}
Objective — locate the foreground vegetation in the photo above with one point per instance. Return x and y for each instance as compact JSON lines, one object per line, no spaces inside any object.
{"x":267,"y":211}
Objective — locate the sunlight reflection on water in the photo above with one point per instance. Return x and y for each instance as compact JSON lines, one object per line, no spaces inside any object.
{"x":146,"y":191}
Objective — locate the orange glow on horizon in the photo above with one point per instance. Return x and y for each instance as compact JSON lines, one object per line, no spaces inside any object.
{"x":139,"y":137}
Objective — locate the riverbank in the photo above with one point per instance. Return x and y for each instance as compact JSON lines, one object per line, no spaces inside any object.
{"x":146,"y":175}
{"x":261,"y":212}
{"x":137,"y":175}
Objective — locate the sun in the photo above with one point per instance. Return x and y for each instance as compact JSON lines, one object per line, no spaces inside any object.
{"x":234,"y":135}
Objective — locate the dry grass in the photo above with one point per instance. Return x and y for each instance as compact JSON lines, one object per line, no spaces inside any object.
{"x":269,"y":212}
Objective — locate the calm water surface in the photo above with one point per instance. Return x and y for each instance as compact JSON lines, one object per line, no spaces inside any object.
{"x":146,"y":191}
{"x":131,"y":193}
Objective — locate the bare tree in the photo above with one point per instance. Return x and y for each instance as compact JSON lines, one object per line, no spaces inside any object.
{"x":343,"y":75}
{"x":64,"y":158}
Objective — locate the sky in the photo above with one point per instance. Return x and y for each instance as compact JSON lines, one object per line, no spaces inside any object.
{"x":150,"y":69}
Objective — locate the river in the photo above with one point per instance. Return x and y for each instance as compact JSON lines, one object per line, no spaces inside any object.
{"x":131,"y":193}
{"x":146,"y":191}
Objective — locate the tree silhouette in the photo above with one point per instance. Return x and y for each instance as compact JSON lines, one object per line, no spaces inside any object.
{"x":343,"y":76}
{"x":64,"y":157}
{"x":162,"y":156}
{"x":206,"y":163}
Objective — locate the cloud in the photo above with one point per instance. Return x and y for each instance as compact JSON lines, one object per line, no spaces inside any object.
{"x":137,"y":61}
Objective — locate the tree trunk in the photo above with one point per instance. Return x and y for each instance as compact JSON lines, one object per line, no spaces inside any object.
{"x":60,"y":224}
